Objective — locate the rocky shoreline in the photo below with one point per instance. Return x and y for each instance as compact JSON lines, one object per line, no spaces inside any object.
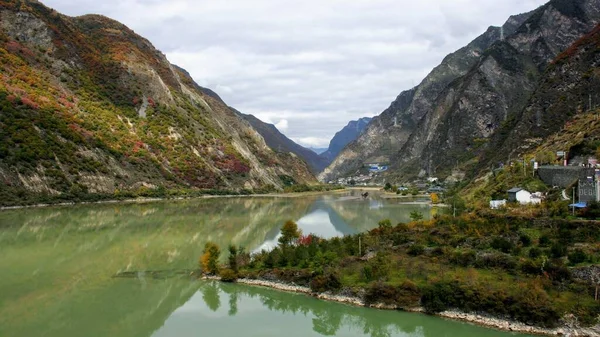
{"x":568,"y":329}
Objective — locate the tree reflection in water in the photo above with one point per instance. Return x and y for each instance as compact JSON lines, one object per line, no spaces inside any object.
{"x":328,"y":318}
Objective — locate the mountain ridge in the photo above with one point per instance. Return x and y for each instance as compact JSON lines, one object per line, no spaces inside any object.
{"x":453,"y":117}
{"x":90,"y":107}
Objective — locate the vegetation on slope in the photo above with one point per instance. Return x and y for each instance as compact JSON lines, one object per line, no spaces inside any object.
{"x":91,"y":109}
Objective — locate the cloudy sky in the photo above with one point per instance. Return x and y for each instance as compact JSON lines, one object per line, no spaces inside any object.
{"x":307,"y":66}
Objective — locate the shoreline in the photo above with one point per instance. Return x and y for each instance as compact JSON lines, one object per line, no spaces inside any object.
{"x":473,"y":318}
{"x":143,"y":200}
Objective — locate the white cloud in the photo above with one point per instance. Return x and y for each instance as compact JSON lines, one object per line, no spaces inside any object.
{"x":321,"y":142}
{"x":282,"y":125}
{"x":315,"y":64}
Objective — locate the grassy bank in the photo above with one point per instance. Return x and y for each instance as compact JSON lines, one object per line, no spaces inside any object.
{"x":515,"y":268}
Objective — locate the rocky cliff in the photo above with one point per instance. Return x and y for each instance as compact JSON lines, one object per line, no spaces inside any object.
{"x":88,"y":106}
{"x":463,"y":107}
{"x":345,"y":136}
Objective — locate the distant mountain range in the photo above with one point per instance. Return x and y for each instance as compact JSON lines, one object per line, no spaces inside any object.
{"x":342,"y":138}
{"x":317,"y":162}
{"x":318,"y":150}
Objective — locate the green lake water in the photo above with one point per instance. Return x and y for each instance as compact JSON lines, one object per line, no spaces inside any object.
{"x":57,"y":266}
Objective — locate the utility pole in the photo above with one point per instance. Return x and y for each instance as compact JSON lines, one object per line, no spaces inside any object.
{"x":573,"y":201}
{"x":359,"y":247}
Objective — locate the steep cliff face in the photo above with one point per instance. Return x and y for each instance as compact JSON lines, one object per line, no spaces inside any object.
{"x":462,"y":114}
{"x":90,"y":106}
{"x":279,"y":143}
{"x":568,"y":87}
{"x":389,"y":132}
{"x":343,"y":137}
{"x":474,"y":112}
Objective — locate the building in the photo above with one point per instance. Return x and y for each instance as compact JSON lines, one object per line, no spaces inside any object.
{"x":522,"y":196}
{"x":496,"y":204}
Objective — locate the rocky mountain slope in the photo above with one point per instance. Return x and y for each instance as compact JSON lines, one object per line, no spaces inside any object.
{"x":280,"y":143}
{"x":345,"y":136}
{"x":464,"y":107}
{"x":88,"y":106}
{"x":553,"y":119}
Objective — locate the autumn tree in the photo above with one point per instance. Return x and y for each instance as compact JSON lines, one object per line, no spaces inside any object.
{"x":210,"y":258}
{"x":289,"y":233}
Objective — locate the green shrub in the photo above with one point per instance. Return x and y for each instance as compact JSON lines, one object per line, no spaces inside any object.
{"x":525,"y":240}
{"x":558,"y":250}
{"x":228,"y":275}
{"x":416,"y":250}
{"x":577,"y":256}
{"x":535,"y":252}
{"x":502,"y":245}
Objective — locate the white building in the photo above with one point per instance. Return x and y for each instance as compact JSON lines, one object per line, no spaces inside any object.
{"x":522,"y":196}
{"x":495,"y":204}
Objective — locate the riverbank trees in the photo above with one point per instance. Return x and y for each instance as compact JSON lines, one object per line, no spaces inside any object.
{"x":513,"y":267}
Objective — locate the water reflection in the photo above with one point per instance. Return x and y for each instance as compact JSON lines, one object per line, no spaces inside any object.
{"x":262,"y":312}
{"x":57,"y":262}
{"x":339,"y":215}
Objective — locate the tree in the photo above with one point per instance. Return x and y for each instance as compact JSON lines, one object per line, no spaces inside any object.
{"x":545,"y":157}
{"x":385,"y":223}
{"x":416,"y":215}
{"x":210,"y":258}
{"x":435,"y":199}
{"x":233,"y":255}
{"x":289,"y":233}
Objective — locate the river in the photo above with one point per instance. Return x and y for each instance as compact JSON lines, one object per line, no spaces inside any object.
{"x":58,"y":265}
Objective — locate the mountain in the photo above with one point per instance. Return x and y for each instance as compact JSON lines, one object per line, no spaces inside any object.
{"x":90,"y":107}
{"x":281,"y":144}
{"x":468,"y":105}
{"x":567,"y":90}
{"x":318,"y":150}
{"x":343,"y":137}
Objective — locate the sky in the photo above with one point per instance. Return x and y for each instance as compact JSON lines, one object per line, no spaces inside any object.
{"x":310,"y":66}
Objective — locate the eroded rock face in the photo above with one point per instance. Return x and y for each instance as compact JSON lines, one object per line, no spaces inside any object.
{"x":454,"y":115}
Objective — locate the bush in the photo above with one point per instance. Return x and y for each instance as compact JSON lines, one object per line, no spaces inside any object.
{"x":502,"y":245}
{"x":496,"y":260}
{"x":379,"y":292}
{"x":525,"y":240}
{"x":228,"y":275}
{"x":535,"y":252}
{"x":577,"y":256}
{"x":323,"y":283}
{"x":377,"y":269}
{"x":409,"y":294}
{"x":558,"y":250}
{"x":544,"y":240}
{"x":439,"y":296}
{"x":416,"y":250}
{"x":464,"y":258}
